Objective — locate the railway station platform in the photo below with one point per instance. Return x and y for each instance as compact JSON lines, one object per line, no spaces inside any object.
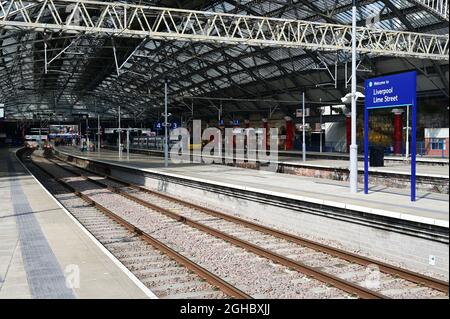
{"x":432,"y":173}
{"x":45,"y":253}
{"x":421,"y":160}
{"x":335,"y":159}
{"x":429,"y":209}
{"x":384,"y":224}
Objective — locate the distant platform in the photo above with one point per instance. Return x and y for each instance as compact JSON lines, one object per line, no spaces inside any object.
{"x":432,"y":175}
{"x":426,"y":160}
{"x":311,"y":156}
{"x":430,"y":208}
{"x":396,"y":165}
{"x":43,"y":248}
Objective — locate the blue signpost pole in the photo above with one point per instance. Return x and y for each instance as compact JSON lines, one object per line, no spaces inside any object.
{"x":366,"y":150}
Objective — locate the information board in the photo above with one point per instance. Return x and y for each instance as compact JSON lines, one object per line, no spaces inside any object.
{"x":391,"y":91}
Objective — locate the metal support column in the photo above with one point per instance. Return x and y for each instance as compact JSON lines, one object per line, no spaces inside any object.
{"x":120,"y":135}
{"x":166,"y":127}
{"x":366,"y":150}
{"x":413,"y":149}
{"x":99,"y":136}
{"x":304,"y":130}
{"x":87,"y":134}
{"x":128,"y":144}
{"x":321,"y":136}
{"x":354,"y":146}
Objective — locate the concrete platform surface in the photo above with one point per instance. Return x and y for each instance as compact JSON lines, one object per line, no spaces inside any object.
{"x":389,"y":168}
{"x":420,"y":159}
{"x":430,"y":208}
{"x":393,"y":165}
{"x":44,"y":253}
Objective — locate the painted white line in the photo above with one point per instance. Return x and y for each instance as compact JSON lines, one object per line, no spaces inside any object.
{"x":386,"y":213}
{"x":117,"y":262}
{"x":442,"y":223}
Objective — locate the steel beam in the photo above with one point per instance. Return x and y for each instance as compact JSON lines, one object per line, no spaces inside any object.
{"x":437,"y":7}
{"x":128,"y":20}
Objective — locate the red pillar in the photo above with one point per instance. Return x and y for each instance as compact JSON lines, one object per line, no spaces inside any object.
{"x":267,"y":135}
{"x":348,"y":122}
{"x":398,"y":131}
{"x":289,"y":134}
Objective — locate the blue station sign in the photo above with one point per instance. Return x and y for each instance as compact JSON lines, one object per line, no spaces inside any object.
{"x":391,"y":91}
{"x":397,"y":90}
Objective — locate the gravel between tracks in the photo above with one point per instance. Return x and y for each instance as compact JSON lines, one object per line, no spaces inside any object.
{"x":162,"y":275}
{"x":383,"y":283}
{"x":258,"y":277}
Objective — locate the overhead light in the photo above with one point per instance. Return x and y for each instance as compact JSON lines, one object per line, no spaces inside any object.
{"x":348,"y":98}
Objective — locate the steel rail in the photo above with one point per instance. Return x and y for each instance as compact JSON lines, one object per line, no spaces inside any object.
{"x":351,"y":257}
{"x":211,"y":278}
{"x":408,"y":275}
{"x":322,"y":276}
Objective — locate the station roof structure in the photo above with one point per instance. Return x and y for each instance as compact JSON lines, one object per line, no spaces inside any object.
{"x":62,"y":58}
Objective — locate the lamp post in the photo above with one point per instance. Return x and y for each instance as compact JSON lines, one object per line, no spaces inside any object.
{"x":99,"y":141}
{"x":304,"y":131}
{"x":166,"y":124}
{"x":120,"y":135}
{"x":87,"y":132}
{"x":353,"y":146}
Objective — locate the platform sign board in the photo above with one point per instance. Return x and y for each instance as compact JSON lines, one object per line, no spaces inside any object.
{"x":2,"y":110}
{"x":299,"y":112}
{"x":392,"y":91}
{"x":63,"y":129}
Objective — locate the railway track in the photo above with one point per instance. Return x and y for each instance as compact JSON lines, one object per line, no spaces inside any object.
{"x":167,"y":273}
{"x":280,"y":247}
{"x":259,"y":278}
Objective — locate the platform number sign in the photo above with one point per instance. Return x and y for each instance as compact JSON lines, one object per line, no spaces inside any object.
{"x":158,"y":126}
{"x":2,"y":110}
{"x":392,"y":91}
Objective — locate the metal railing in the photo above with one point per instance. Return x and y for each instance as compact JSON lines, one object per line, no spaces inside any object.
{"x":425,"y":150}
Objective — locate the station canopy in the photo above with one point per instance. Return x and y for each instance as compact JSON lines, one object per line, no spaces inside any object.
{"x":60,"y":71}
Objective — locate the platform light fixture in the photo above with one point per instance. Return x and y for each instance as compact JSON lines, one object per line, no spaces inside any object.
{"x":348,"y":98}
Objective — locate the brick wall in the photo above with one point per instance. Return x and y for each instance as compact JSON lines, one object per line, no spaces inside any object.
{"x":437,"y":153}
